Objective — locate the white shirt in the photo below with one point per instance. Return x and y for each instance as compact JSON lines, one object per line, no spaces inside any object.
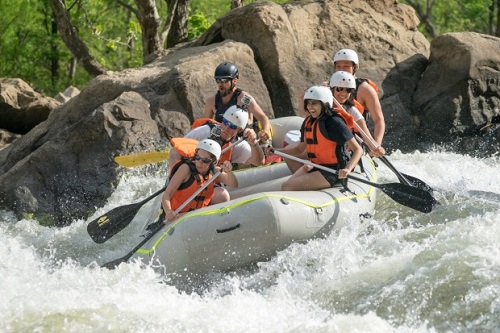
{"x":241,"y":153}
{"x":354,"y":112}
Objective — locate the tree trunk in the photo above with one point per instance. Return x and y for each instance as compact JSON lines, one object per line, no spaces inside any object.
{"x":70,"y":37}
{"x":497,"y":32}
{"x":177,"y":24}
{"x":236,"y":4}
{"x":150,"y":21}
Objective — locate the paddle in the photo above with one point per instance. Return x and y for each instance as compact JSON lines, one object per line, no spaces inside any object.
{"x":403,"y":178}
{"x":158,"y":227}
{"x":106,"y":226}
{"x":138,"y":159}
{"x":412,"y":197}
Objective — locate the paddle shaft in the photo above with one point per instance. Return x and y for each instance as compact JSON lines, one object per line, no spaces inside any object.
{"x":318,"y":166}
{"x":402,"y":178}
{"x":412,"y":197}
{"x":114,"y":263}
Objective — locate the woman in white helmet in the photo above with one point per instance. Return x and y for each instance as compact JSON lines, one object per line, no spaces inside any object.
{"x":189,"y":174}
{"x":342,"y":85}
{"x":365,"y":97}
{"x":327,"y":140}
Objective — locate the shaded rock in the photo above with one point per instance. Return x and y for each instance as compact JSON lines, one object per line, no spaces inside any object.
{"x":459,"y":92}
{"x":22,"y":108}
{"x":7,"y":137}
{"x":69,"y":167}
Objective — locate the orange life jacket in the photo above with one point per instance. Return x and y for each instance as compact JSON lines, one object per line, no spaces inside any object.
{"x":357,"y":104}
{"x":187,"y":188}
{"x":320,"y":150}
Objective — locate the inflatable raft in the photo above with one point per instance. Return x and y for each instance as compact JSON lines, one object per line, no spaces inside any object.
{"x":259,"y":220}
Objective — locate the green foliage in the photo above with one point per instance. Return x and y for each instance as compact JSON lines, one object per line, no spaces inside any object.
{"x":455,"y":15}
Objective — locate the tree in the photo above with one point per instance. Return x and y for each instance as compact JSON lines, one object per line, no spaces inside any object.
{"x":69,"y":35}
{"x":438,"y":17}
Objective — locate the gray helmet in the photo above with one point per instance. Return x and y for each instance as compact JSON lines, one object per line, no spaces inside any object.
{"x":226,"y":70}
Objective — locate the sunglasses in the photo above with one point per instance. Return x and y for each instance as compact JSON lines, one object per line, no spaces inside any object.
{"x":222,"y":80}
{"x":205,"y":160}
{"x":349,"y":90}
{"x":229,"y":124}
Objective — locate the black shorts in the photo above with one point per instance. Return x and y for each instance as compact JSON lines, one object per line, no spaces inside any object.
{"x":331,"y":178}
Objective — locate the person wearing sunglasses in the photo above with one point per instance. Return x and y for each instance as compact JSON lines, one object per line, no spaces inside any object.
{"x":189,"y":174}
{"x":342,"y":85}
{"x":325,"y":140}
{"x":246,"y":153}
{"x":365,"y":97}
{"x":226,"y":77}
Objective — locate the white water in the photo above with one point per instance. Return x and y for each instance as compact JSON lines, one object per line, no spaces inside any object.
{"x":412,"y":272}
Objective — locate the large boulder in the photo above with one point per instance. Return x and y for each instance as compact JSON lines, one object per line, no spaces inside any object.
{"x":21,"y":107}
{"x":294,"y":44}
{"x":452,"y":98}
{"x":68,"y":166}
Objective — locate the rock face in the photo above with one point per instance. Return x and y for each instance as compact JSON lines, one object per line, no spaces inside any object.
{"x":63,"y":168}
{"x":22,"y":108}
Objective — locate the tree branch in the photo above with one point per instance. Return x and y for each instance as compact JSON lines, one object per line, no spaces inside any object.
{"x":70,"y":37}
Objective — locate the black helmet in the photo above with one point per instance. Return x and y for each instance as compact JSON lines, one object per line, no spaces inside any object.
{"x":226,"y":70}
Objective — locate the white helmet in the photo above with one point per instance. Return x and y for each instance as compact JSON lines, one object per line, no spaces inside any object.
{"x":342,"y":79}
{"x":346,"y":54}
{"x":320,"y":93}
{"x":210,"y":146}
{"x":237,"y":116}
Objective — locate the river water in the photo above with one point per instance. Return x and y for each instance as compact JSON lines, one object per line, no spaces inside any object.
{"x":408,"y":272}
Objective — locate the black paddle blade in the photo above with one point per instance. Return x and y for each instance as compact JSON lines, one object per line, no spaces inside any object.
{"x":412,"y":197}
{"x":415,"y":182}
{"x":111,"y":223}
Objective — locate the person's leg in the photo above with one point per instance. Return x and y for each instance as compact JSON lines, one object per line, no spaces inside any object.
{"x":305,"y":182}
{"x":220,"y":195}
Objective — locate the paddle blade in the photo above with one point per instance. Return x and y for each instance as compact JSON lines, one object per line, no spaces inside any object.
{"x":139,"y":159}
{"x":111,"y":223}
{"x":415,"y":182}
{"x":412,"y":197}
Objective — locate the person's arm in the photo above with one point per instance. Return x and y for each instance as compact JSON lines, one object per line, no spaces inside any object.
{"x":357,"y":152}
{"x":257,"y":155}
{"x":297,"y":149}
{"x":209,"y":109}
{"x":302,"y":112}
{"x":368,"y":97}
{"x":368,"y":139}
{"x":227,"y":176}
{"x":180,"y":176}
{"x":256,"y":110}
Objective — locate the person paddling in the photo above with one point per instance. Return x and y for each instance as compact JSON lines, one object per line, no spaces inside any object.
{"x":326,"y":140}
{"x":342,"y":85}
{"x":226,"y":76}
{"x":189,"y":174}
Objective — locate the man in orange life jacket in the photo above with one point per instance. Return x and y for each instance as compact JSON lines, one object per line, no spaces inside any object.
{"x":365,"y":97}
{"x":189,"y":174}
{"x":226,"y":76}
{"x":326,"y":139}
{"x":233,"y":124}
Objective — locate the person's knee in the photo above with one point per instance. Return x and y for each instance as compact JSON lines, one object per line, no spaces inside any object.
{"x":287,"y":186}
{"x":220,"y":195}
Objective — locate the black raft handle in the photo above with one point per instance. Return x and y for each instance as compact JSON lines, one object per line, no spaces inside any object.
{"x":220,"y":231}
